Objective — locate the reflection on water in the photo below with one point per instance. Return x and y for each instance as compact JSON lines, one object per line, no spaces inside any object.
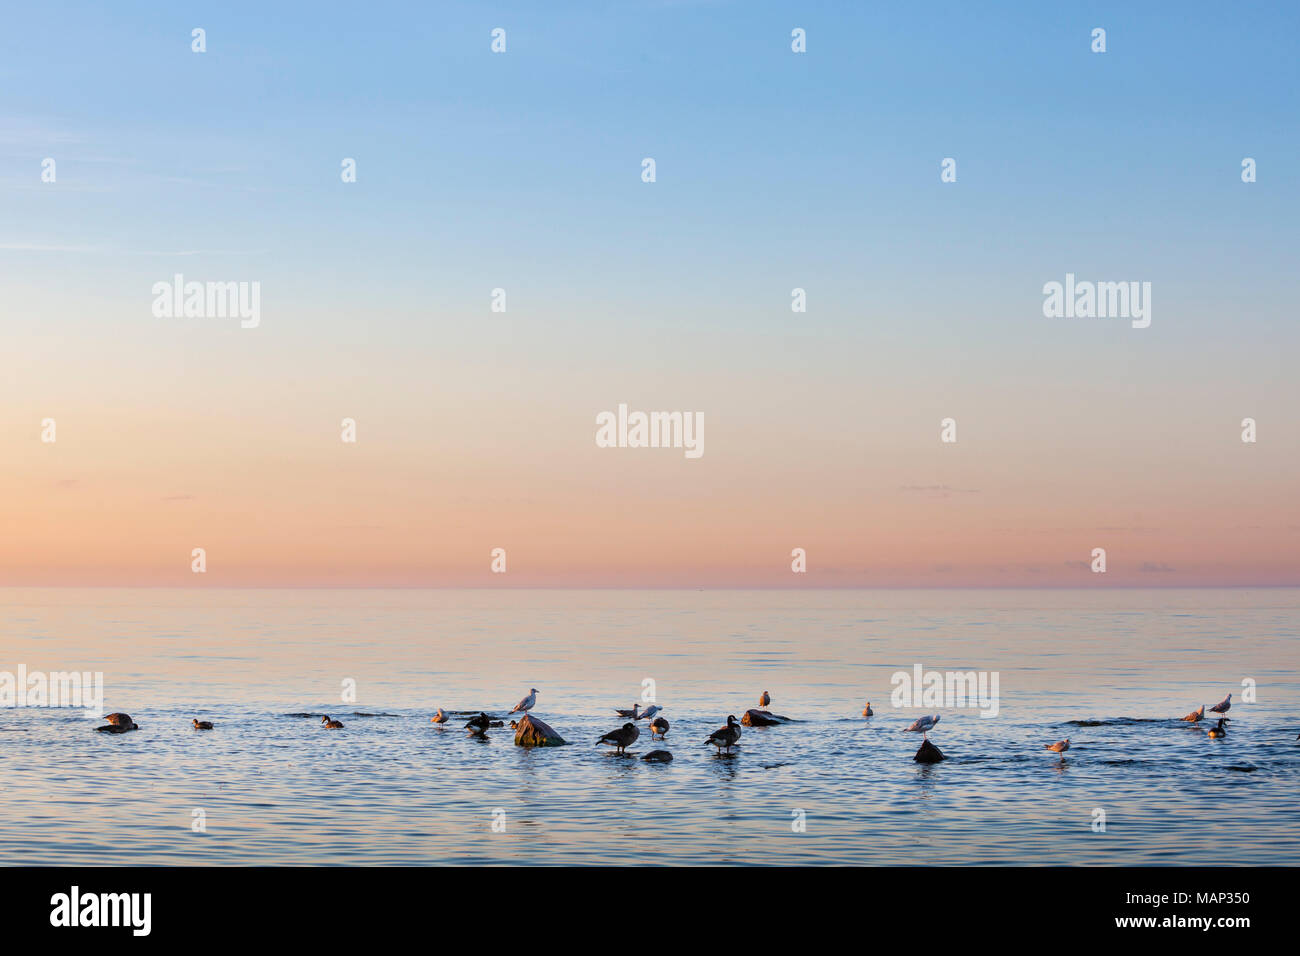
{"x":1109,"y":669}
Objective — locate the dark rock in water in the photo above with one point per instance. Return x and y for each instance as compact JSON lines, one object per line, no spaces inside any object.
{"x":658,"y":756}
{"x":532,"y":732}
{"x":928,"y":753}
{"x":762,"y":718}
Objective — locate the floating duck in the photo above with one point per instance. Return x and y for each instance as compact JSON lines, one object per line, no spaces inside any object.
{"x":1222,"y":706}
{"x":658,"y":756}
{"x":528,"y":703}
{"x":923,"y":725}
{"x":726,"y":737}
{"x":330,"y":723}
{"x":622,"y":738}
{"x":659,"y":726}
{"x":118,"y":724}
{"x":479,"y":725}
{"x":438,"y":718}
{"x":867,"y":711}
{"x":1220,"y":730}
{"x":1195,"y":716}
{"x":202,"y":724}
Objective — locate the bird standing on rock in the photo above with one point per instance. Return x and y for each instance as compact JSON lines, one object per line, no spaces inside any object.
{"x":764,"y":700}
{"x":923,"y":725}
{"x":527,"y":704}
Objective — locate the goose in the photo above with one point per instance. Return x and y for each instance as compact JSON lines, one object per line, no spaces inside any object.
{"x":478,"y":725}
{"x":438,"y":718}
{"x":1220,"y":730}
{"x":765,"y":699}
{"x":867,"y":711}
{"x":118,"y":724}
{"x":330,"y":723}
{"x":527,"y":703}
{"x":634,"y":713}
{"x":659,"y":726}
{"x":1222,"y":706}
{"x":622,"y":738}
{"x":1060,"y":747}
{"x":726,"y":737}
{"x":1195,"y":716}
{"x":202,"y":724}
{"x":923,"y":725}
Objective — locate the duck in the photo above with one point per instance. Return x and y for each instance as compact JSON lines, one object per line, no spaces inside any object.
{"x":514,"y":725}
{"x":478,"y":725}
{"x":202,"y":724}
{"x":438,"y":718}
{"x":659,"y":726}
{"x":726,"y":737}
{"x":1195,"y":716}
{"x":658,"y":756}
{"x":330,"y":723}
{"x":765,"y":699}
{"x":622,"y":738}
{"x":867,"y":711}
{"x":923,"y":725}
{"x":634,"y":713}
{"x":527,"y":704}
{"x":1220,"y":730}
{"x":1222,"y":706}
{"x":1060,"y":747}
{"x":118,"y":723}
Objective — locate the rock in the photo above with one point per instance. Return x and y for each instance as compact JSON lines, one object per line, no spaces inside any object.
{"x":928,"y":753}
{"x":533,"y":732}
{"x":762,"y":718}
{"x":658,"y":756}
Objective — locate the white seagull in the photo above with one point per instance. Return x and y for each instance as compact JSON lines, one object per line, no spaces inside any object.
{"x":527,"y":703}
{"x":1222,"y":706}
{"x":923,"y":725}
{"x":648,"y":712}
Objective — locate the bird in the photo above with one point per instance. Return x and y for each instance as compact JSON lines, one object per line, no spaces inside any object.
{"x":330,"y":723}
{"x":622,"y":738}
{"x":659,"y":726}
{"x":1195,"y":715}
{"x":867,"y":711}
{"x":633,"y":713}
{"x":658,"y":756}
{"x":438,"y":718}
{"x":478,"y":725}
{"x":202,"y":724}
{"x":1220,"y":730}
{"x":649,"y":712}
{"x":118,"y":724}
{"x":923,"y":725}
{"x":1060,"y":747}
{"x":1222,"y":706}
{"x":514,"y":725}
{"x":527,"y":703}
{"x":726,"y":737}
{"x":765,"y":699}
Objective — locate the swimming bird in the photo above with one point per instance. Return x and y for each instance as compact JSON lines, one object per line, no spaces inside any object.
{"x":438,"y":718}
{"x":923,"y":725}
{"x":118,"y":724}
{"x":202,"y":724}
{"x":1060,"y":747}
{"x":514,"y":725}
{"x":764,"y":700}
{"x":478,"y":725}
{"x":867,"y":711}
{"x":633,"y":713}
{"x":1222,"y":706}
{"x":658,"y":756}
{"x":1195,"y":716}
{"x":649,"y":712}
{"x":527,"y":703}
{"x":330,"y":723}
{"x":1220,"y":730}
{"x":659,"y":726}
{"x":726,"y":736}
{"x":624,"y":737}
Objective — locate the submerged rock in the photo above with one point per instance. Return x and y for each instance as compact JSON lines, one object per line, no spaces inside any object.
{"x":762,"y":718}
{"x":928,"y":753}
{"x":532,"y":732}
{"x":658,"y":756}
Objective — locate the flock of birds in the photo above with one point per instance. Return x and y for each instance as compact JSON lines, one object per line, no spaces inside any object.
{"x":623,"y":737}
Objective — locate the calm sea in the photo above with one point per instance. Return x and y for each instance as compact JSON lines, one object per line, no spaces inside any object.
{"x":1107,"y":668}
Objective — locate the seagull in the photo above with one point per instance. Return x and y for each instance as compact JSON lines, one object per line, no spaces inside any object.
{"x":1060,"y":747}
{"x":1222,"y":706}
{"x":764,"y":700}
{"x":478,"y":725}
{"x":331,"y":723}
{"x":202,"y":724}
{"x":118,"y":724}
{"x":649,"y":712}
{"x":527,"y":703}
{"x":1195,"y":716}
{"x":438,"y":718}
{"x":867,"y":711}
{"x":923,"y":725}
{"x":625,"y":736}
{"x":1220,"y":730}
{"x":633,"y":713}
{"x":726,"y":736}
{"x":659,"y":726}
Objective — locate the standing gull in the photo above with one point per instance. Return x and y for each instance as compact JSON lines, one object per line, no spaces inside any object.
{"x":1060,"y":747}
{"x":1195,"y":716}
{"x":923,"y":725}
{"x":438,"y":718}
{"x":1222,"y":706}
{"x":764,"y":700}
{"x":649,"y":712}
{"x":527,"y":703}
{"x":633,"y":713}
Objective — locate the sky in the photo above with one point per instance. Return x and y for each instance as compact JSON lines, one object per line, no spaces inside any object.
{"x":774,"y":170}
